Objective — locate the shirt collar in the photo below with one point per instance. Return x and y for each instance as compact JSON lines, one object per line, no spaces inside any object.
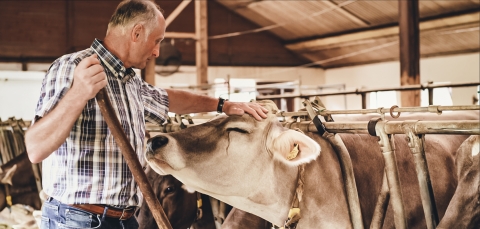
{"x":113,"y":63}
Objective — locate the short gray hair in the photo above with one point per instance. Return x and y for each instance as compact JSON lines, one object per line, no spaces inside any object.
{"x":131,"y":12}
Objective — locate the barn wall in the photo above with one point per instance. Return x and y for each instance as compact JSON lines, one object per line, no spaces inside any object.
{"x":455,"y":69}
{"x":19,"y":93}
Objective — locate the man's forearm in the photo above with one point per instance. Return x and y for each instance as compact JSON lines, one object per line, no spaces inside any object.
{"x":49,"y":133}
{"x":183,"y":102}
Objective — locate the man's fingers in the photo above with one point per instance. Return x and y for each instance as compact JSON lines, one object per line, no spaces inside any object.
{"x":262,"y":111}
{"x":94,"y":69}
{"x":88,"y":61}
{"x":255,"y":110}
{"x":101,"y":76}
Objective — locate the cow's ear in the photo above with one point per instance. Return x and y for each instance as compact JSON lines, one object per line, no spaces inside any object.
{"x":294,"y":148}
{"x":7,"y":179}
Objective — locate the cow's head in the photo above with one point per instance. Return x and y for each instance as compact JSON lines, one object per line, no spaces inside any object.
{"x":224,"y":155}
{"x":178,"y":202}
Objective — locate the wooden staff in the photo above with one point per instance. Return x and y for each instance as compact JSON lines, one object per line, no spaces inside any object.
{"x":132,"y":160}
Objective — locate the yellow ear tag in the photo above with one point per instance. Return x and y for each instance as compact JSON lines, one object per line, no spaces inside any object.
{"x":293,"y":154}
{"x":294,"y":216}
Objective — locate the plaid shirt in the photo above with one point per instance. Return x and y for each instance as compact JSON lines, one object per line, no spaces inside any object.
{"x":89,"y":168}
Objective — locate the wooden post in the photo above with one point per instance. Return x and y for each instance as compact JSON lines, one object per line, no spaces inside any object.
{"x":69,"y":25}
{"x":131,"y":158}
{"x":148,"y":73}
{"x":201,"y":59}
{"x":409,"y":51}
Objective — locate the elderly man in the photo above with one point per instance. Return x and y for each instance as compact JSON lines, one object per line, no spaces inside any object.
{"x":84,"y":173}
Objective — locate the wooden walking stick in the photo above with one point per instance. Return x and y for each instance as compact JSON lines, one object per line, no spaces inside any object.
{"x":132,"y":161}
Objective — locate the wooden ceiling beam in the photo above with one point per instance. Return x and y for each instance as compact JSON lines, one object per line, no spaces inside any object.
{"x":334,"y":41}
{"x":352,"y":17}
{"x":176,"y":12}
{"x":181,"y":35}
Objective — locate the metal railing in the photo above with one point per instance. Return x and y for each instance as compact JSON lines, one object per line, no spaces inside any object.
{"x":363,"y":92}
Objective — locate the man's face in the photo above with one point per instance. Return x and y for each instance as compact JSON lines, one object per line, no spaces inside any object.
{"x":148,"y":46}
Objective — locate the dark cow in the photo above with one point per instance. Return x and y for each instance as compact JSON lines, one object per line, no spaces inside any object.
{"x":21,"y":185}
{"x":179,"y":204}
{"x":249,"y":169}
{"x":464,"y":208}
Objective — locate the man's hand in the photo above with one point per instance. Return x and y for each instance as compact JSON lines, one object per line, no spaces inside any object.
{"x":89,"y":78}
{"x":254,"y":109}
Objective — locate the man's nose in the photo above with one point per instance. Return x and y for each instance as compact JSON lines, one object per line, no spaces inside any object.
{"x":156,"y":52}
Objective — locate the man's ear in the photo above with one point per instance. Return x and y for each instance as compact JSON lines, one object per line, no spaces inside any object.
{"x":137,"y":32}
{"x":294,"y":148}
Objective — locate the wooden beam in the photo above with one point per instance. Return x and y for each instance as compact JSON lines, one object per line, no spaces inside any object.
{"x":148,"y":73}
{"x":176,"y":12}
{"x":332,"y":41}
{"x":201,"y":55}
{"x":409,"y":51}
{"x":69,"y":25}
{"x":346,"y":13}
{"x":181,"y":35}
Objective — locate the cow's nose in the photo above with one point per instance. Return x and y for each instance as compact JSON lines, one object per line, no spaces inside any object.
{"x":158,"y":141}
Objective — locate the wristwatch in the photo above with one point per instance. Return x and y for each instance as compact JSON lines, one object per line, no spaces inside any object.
{"x":221,"y":101}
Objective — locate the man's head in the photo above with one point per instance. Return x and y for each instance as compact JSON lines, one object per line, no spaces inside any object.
{"x":138,"y":27}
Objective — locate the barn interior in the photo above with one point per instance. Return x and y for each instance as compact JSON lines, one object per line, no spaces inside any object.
{"x":354,"y":54}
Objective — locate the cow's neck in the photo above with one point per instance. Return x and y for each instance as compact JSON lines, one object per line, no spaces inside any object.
{"x":272,"y":196}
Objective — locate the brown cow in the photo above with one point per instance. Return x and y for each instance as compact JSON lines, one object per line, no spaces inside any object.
{"x":464,"y":208}
{"x":22,"y":188}
{"x":179,"y":204}
{"x":248,"y":169}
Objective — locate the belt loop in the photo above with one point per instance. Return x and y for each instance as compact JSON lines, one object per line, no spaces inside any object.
{"x":123,"y":213}
{"x":104,"y":213}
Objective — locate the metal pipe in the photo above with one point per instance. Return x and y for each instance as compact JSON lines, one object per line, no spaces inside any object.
{"x":387,"y":144}
{"x":348,"y":178}
{"x":131,"y":158}
{"x":364,"y":100}
{"x":426,"y":190}
{"x":467,"y":127}
{"x":381,"y":206}
{"x":359,"y":91}
{"x":382,"y":110}
{"x":430,"y":96}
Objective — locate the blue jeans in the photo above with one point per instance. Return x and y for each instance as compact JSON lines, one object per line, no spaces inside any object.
{"x":63,"y":216}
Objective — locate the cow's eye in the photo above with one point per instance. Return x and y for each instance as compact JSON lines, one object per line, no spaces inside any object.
{"x":237,"y":130}
{"x":169,"y":189}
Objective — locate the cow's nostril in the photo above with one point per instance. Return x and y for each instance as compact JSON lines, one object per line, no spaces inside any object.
{"x":159,"y":141}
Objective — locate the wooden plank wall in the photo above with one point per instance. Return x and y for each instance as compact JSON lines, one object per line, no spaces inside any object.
{"x":41,"y":31}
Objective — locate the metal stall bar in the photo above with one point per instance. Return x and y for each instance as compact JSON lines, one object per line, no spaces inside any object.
{"x":387,"y":144}
{"x":415,"y":143}
{"x":345,"y":165}
{"x":381,"y":206}
{"x":467,"y":127}
{"x":382,"y":110}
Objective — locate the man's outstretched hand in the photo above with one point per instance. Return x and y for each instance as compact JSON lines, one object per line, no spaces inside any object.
{"x":239,"y":108}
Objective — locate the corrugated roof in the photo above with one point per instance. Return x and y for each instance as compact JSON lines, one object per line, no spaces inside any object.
{"x":306,"y":26}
